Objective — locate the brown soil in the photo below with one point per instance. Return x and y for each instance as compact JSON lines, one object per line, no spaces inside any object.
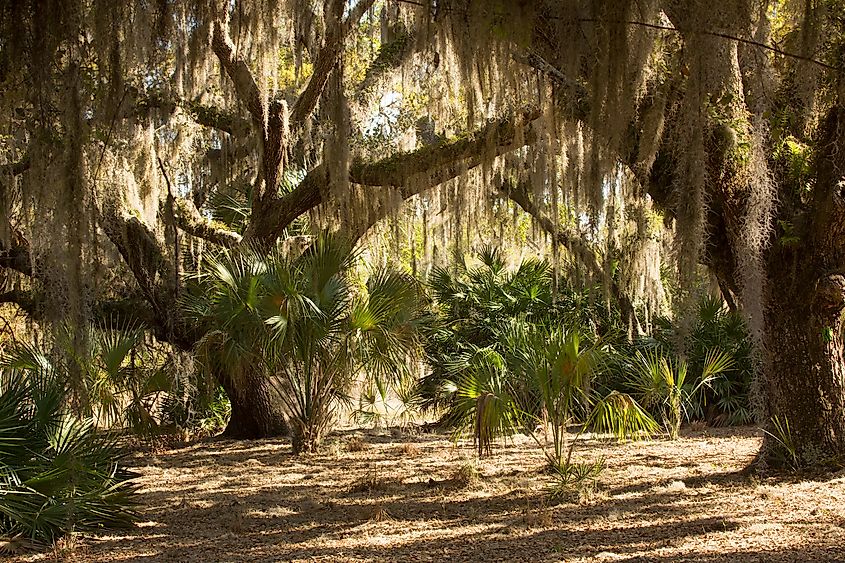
{"x":401,"y":498}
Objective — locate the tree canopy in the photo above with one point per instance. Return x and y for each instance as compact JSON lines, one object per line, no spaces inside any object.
{"x":139,"y":135}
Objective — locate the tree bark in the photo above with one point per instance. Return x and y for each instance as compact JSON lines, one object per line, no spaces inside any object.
{"x":804,"y":371}
{"x":254,"y":413}
{"x":804,"y":375}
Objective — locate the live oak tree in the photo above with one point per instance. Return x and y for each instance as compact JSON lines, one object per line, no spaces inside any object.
{"x":137,"y":135}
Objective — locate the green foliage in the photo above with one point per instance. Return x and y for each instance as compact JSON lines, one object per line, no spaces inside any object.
{"x":215,"y":414}
{"x":196,"y":405}
{"x":507,"y":353}
{"x":660,"y":383}
{"x":783,"y":449}
{"x":574,"y":477}
{"x":622,"y":416}
{"x":57,"y":473}
{"x":559,"y":370}
{"x":474,"y":303}
{"x":560,"y":367}
{"x":797,"y":159}
{"x":787,"y":235}
{"x":304,"y":325}
{"x":388,"y":406}
{"x":113,"y":375}
{"x":725,"y":399}
{"x":484,"y":398}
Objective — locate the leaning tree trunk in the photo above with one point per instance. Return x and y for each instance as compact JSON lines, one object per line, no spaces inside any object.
{"x":804,"y":373}
{"x":254,"y":413}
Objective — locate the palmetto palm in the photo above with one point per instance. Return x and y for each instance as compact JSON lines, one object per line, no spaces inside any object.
{"x":57,"y":474}
{"x":502,"y":355}
{"x":113,"y":377}
{"x":660,"y":382}
{"x":561,"y":365}
{"x":538,"y":374}
{"x":227,"y":301}
{"x":724,"y":400}
{"x":484,"y":397}
{"x":560,"y":369}
{"x":472,"y":304}
{"x":334,"y":334}
{"x":303,"y":324}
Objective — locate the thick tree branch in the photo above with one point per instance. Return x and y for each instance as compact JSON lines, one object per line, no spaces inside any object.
{"x":411,"y":172}
{"x":190,"y":220}
{"x":391,"y":55}
{"x":153,"y":270}
{"x":22,"y":299}
{"x":211,"y":116}
{"x":110,"y":313}
{"x":564,"y":236}
{"x":445,"y":161}
{"x":326,"y":61}
{"x":237,"y":69}
{"x":273,"y":123}
{"x":575,"y":96}
{"x":141,"y":250}
{"x":203,"y":114}
{"x":126,"y":312}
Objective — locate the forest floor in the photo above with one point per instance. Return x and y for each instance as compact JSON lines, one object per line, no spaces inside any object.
{"x":382,"y":496}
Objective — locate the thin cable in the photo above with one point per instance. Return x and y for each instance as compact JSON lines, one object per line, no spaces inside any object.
{"x":659,"y":27}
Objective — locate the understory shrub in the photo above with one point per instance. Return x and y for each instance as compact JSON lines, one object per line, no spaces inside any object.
{"x":715,"y":331}
{"x":58,"y":474}
{"x":508,"y":351}
{"x":303,"y":324}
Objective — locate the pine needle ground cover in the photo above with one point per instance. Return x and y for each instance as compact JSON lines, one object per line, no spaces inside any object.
{"x":687,"y":500}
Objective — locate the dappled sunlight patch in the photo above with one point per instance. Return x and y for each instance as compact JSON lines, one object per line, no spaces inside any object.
{"x":299,"y":509}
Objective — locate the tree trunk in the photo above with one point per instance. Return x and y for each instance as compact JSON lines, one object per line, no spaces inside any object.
{"x":254,"y":414}
{"x":804,"y":374}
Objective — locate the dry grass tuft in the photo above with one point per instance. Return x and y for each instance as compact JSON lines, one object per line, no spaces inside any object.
{"x":236,"y":523}
{"x":357,"y":444}
{"x":380,"y":513}
{"x":696,"y":426}
{"x":467,"y":475}
{"x":66,"y":548}
{"x":540,"y":518}
{"x":410,"y":450}
{"x":372,"y":482}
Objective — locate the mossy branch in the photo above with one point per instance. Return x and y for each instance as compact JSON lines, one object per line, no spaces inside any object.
{"x":203,"y":114}
{"x":140,"y":248}
{"x":412,"y":172}
{"x":437,"y":163}
{"x":391,"y":55}
{"x":326,"y":61}
{"x":245,"y":85}
{"x":190,"y":220}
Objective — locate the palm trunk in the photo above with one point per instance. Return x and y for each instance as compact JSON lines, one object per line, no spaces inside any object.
{"x":306,"y":438}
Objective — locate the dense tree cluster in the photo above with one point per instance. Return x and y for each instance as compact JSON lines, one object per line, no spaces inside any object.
{"x":140,"y":137}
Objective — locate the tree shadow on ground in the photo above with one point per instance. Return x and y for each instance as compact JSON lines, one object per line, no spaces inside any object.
{"x":207,"y":502}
